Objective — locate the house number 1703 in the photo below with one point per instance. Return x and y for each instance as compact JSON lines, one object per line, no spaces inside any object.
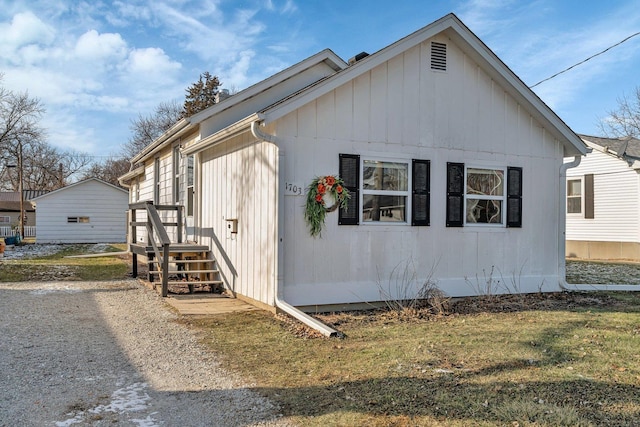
{"x":292,"y":189}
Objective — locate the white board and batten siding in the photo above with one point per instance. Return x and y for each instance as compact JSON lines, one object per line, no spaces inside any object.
{"x":401,"y":110}
{"x":616,"y":189}
{"x":90,"y":211}
{"x":240,"y":184}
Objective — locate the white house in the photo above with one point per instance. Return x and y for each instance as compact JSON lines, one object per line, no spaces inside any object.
{"x":603,"y":201}
{"x":90,"y":211}
{"x":454,"y":167}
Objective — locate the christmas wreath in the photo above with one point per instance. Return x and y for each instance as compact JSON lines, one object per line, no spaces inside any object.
{"x":321,"y":191}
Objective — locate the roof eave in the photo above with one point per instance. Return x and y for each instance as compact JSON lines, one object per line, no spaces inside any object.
{"x":229,"y":132}
{"x":177,"y":130}
{"x":327,"y":56}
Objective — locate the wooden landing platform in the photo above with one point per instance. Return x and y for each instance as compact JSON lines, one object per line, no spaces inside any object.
{"x":205,"y":304}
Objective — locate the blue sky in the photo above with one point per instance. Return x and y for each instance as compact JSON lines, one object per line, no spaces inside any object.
{"x":96,"y":65}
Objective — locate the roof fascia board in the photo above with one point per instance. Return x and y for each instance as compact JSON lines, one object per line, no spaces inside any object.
{"x":235,"y":129}
{"x":131,"y":174}
{"x":177,"y":130}
{"x":80,"y":183}
{"x":453,"y":27}
{"x":326,"y":55}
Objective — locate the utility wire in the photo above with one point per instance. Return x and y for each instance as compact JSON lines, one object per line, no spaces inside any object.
{"x":582,"y":62}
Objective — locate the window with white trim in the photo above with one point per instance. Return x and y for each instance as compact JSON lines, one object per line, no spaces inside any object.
{"x":385,"y":191}
{"x":5,"y":219}
{"x":483,"y":196}
{"x":190,"y":184}
{"x":580,"y":196}
{"x":574,"y":196}
{"x":176,"y":174}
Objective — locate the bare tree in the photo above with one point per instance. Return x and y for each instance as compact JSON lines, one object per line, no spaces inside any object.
{"x":145,"y":129}
{"x":19,"y":123}
{"x":43,"y":167}
{"x":625,"y":120}
{"x":109,"y":170}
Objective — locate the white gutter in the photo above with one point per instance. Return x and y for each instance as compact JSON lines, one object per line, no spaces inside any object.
{"x":279,"y":268}
{"x":562,"y":221}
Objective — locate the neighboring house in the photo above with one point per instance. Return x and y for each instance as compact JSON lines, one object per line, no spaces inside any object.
{"x":455,"y":170}
{"x":603,"y":201}
{"x":89,"y":211}
{"x":10,"y":211}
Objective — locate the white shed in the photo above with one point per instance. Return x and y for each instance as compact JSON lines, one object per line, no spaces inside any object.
{"x":90,"y":211}
{"x":603,"y":201}
{"x":454,"y":166}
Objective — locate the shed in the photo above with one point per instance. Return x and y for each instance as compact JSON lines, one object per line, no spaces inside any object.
{"x":453,"y":165}
{"x":603,"y":201}
{"x":89,"y":211}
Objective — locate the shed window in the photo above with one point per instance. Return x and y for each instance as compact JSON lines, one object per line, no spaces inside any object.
{"x":483,"y":196}
{"x":78,"y":219}
{"x":5,"y":219}
{"x":389,"y":191}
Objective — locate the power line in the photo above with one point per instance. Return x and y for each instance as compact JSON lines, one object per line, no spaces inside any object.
{"x":582,"y":62}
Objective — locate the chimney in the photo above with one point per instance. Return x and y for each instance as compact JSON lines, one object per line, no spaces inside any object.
{"x":358,"y":57}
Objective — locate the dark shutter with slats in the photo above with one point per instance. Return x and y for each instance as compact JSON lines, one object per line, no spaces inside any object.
{"x":589,"y":212}
{"x":350,"y":174}
{"x":514,"y":197}
{"x":421,"y":186}
{"x":455,"y":194}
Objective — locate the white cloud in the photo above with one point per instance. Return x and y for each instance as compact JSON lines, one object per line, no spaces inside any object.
{"x":24,"y":29}
{"x":151,"y":63}
{"x":101,"y":47}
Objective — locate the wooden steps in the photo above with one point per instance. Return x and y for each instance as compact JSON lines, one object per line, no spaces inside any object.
{"x":190,"y":266}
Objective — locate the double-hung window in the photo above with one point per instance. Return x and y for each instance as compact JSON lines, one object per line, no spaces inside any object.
{"x":483,"y":196}
{"x":580,"y":196}
{"x":385,"y":191}
{"x":190,"y":185}
{"x":574,"y":196}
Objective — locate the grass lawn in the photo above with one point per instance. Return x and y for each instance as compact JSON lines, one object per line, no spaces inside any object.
{"x":568,"y":359}
{"x":552,"y":360}
{"x":56,"y":266}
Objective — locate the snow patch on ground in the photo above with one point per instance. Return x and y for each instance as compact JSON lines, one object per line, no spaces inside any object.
{"x":38,"y":250}
{"x":132,"y":398}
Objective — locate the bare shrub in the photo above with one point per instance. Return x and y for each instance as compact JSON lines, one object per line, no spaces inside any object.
{"x":403,"y":293}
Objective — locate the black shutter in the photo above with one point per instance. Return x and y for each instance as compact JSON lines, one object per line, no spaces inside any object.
{"x":514,"y":197}
{"x":421,"y":186}
{"x":350,"y":174}
{"x":455,"y":194}
{"x":589,"y":212}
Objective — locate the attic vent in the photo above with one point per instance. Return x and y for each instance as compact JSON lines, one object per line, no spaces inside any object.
{"x":438,"y":56}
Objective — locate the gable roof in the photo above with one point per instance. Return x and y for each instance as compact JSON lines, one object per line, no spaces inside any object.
{"x":326,"y":56}
{"x":466,"y":40}
{"x":79,"y":183}
{"x":627,"y":148}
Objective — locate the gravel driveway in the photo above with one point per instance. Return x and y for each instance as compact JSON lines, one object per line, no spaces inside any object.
{"x":107,"y":353}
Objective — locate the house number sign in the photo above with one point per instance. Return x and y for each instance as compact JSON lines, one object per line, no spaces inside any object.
{"x":291,"y":189}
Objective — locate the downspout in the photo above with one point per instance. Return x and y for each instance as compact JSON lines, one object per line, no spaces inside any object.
{"x":562,"y":221}
{"x":279,"y":270}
